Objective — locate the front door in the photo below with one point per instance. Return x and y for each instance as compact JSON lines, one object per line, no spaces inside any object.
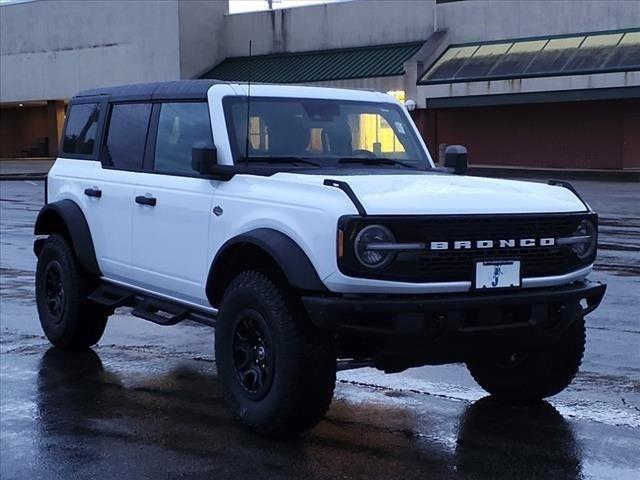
{"x":174,"y":207}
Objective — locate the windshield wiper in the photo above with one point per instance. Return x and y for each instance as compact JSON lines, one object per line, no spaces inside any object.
{"x":283,"y":159}
{"x":375,"y":161}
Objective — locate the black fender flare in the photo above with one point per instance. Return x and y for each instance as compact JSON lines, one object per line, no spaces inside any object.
{"x":66,"y":217}
{"x":287,"y":254}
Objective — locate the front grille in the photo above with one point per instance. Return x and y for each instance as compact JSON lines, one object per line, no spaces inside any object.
{"x":458,"y":265}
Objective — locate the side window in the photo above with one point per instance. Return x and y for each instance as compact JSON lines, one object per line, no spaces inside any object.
{"x":82,"y":126}
{"x":180,"y":127}
{"x":124,"y":147}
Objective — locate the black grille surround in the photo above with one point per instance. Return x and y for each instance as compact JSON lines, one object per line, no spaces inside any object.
{"x":425,"y":266}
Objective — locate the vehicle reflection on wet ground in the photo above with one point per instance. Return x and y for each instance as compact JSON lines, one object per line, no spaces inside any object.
{"x":146,"y":403}
{"x":92,"y":413}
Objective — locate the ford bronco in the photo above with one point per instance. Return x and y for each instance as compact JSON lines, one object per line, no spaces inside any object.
{"x":312,"y":228}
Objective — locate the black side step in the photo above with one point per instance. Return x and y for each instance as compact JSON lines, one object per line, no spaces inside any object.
{"x":111,"y":296}
{"x":148,"y":307}
{"x":162,"y":313}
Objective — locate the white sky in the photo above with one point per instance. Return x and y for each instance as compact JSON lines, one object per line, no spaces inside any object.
{"x":237,"y":6}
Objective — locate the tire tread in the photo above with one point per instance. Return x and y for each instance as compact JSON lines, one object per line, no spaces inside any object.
{"x":84,"y":323}
{"x":309,"y":373}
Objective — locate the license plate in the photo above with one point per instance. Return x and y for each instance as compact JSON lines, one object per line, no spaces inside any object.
{"x":497,"y":274}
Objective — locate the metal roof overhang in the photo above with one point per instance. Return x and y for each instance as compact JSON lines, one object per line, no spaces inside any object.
{"x":578,"y":95}
{"x":317,"y":66}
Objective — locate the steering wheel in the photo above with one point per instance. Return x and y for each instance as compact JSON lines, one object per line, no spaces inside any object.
{"x":366,"y":153}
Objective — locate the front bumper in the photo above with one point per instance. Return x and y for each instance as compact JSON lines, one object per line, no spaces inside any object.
{"x":455,"y":327}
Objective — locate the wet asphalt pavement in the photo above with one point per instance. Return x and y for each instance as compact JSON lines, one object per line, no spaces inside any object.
{"x":146,"y":403}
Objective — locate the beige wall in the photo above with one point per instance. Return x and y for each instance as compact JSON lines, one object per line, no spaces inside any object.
{"x":528,"y":85}
{"x":371,"y":22}
{"x":52,"y":49}
{"x":201,"y":24}
{"x":334,"y":25}
{"x":483,"y":20}
{"x":73,"y":45}
{"x":379,"y":84}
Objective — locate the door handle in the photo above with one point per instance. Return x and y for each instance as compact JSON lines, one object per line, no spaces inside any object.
{"x":93,"y":192}
{"x":142,"y":200}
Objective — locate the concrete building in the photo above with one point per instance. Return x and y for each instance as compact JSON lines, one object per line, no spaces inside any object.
{"x":49,"y":50}
{"x":541,"y":83}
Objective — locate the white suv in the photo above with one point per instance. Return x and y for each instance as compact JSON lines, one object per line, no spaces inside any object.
{"x":312,"y":228}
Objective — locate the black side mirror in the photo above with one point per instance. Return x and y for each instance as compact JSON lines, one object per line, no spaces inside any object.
{"x":455,"y":157}
{"x":204,"y":158}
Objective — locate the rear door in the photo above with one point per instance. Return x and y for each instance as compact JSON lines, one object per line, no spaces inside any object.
{"x":171,"y":222}
{"x":110,"y":192}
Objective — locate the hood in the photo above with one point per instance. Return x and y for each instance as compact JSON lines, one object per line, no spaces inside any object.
{"x":449,"y":194}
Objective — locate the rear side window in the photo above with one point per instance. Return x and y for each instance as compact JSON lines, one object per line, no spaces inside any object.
{"x":82,"y":127}
{"x":126,"y":139}
{"x":181,"y":126}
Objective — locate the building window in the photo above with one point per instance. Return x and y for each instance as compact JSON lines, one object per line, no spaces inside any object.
{"x":580,"y":54}
{"x":398,"y":95}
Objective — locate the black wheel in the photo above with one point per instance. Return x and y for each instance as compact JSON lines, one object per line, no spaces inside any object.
{"x":277,"y":371}
{"x":69,"y":321}
{"x":523,"y":378}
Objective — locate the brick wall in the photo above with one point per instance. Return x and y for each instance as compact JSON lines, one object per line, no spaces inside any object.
{"x":23,"y":132}
{"x":596,"y":134}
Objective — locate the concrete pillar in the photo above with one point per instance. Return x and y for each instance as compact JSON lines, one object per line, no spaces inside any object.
{"x":412,"y":69}
{"x":630,"y":137}
{"x":55,"y":119}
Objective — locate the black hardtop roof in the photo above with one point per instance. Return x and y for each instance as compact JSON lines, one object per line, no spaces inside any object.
{"x":180,"y":89}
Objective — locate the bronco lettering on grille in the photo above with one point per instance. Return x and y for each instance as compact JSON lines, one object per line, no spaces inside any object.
{"x":502,"y":243}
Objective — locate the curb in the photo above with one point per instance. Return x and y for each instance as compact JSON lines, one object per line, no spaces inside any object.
{"x":28,"y":159}
{"x":596,"y":175}
{"x":22,"y":176}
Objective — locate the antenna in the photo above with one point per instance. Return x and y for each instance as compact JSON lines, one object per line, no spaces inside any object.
{"x":246,"y":146}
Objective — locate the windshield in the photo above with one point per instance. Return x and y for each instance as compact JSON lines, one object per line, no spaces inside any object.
{"x":322,"y":133}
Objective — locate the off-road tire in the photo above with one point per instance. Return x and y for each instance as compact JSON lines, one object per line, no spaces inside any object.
{"x":304,"y":358}
{"x":535,"y":375}
{"x":79,"y":324}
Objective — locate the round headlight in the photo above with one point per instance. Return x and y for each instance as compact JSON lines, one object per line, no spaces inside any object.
{"x":585,"y":236}
{"x":369,"y":246}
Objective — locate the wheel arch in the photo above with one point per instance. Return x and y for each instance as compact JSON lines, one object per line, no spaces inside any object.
{"x":66,"y":218}
{"x":261,"y":249}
